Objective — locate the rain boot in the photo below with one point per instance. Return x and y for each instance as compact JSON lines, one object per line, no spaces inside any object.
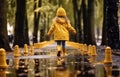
{"x":58,"y":53}
{"x":63,"y":52}
{"x":58,"y":50}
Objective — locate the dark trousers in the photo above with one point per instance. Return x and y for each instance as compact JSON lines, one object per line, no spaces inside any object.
{"x":62,"y":43}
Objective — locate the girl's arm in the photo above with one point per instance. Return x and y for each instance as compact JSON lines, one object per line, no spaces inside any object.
{"x":50,"y":30}
{"x":71,"y":29}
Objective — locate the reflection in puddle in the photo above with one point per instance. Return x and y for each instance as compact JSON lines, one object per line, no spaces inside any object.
{"x":44,"y":64}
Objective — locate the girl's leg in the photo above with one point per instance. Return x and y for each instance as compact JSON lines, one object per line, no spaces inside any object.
{"x":58,"y":43}
{"x":64,"y":47}
{"x":61,"y":52}
{"x":58,"y":48}
{"x":63,"y":44}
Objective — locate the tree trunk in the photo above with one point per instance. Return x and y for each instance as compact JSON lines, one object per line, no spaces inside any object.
{"x":104,"y":28}
{"x":91,"y":34}
{"x":26,"y":30}
{"x":21,"y":33}
{"x":36,"y":21}
{"x":112,"y":23}
{"x":75,"y":17}
{"x":77,"y":21}
{"x":4,"y":42}
{"x":85,"y":22}
{"x":79,"y":34}
{"x":43,"y":28}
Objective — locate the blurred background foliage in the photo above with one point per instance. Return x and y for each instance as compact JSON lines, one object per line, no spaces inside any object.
{"x":49,"y":7}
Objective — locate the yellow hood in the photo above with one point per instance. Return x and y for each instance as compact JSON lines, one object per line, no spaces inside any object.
{"x":61,"y":12}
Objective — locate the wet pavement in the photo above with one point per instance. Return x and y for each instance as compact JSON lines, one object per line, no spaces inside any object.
{"x":44,"y":63}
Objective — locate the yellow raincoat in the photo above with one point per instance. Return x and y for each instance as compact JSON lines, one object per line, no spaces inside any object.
{"x":60,"y":28}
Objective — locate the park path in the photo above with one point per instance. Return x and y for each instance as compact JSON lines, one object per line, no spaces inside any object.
{"x":45,"y":53}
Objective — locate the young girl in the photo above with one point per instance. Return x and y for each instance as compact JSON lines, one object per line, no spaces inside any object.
{"x":60,"y":28}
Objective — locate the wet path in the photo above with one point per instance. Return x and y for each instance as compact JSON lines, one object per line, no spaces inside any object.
{"x":44,"y":63}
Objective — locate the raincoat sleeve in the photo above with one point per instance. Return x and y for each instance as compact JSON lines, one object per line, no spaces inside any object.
{"x":51,"y":30}
{"x":71,"y":29}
